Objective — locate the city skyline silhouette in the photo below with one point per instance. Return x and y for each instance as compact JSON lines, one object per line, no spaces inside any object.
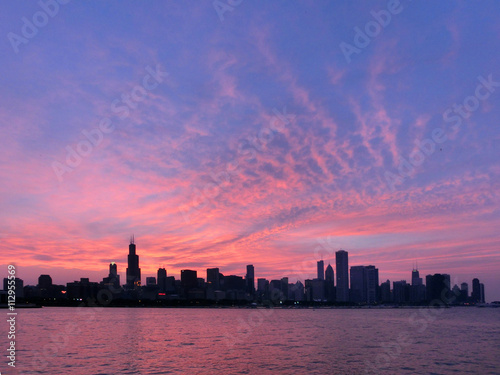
{"x":235,"y":186}
{"x":344,"y":284}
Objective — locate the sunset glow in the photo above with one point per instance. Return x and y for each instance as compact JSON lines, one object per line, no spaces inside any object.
{"x":245,"y":141}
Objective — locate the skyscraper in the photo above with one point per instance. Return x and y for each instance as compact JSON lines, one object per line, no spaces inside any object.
{"x":464,"y":293}
{"x":464,"y":287}
{"x":342,"y":265}
{"x":189,"y":279}
{"x":284,"y":288}
{"x":321,"y":270}
{"x":45,"y":282}
{"x":315,"y":290}
{"x":329,"y":284}
{"x":162,"y":279}
{"x":250,"y":280}
{"x":329,"y":274}
{"x":133,"y":270}
{"x":437,"y":287}
{"x":400,"y":292}
{"x":364,"y":284}
{"x":385,"y":292}
{"x":417,"y":287}
{"x":213,"y":277}
{"x":262,"y":288}
{"x":358,"y":291}
{"x":371,"y":284}
{"x":113,"y":279}
{"x":113,"y":269}
{"x":297,"y":291}
{"x":476,"y":291}
{"x":415,"y":277}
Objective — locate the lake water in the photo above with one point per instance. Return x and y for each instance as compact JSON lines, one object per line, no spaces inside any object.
{"x":61,"y":340}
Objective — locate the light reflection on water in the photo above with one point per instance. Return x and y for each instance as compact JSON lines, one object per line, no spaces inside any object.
{"x":255,"y":341}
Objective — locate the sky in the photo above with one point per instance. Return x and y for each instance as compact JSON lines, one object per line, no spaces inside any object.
{"x":227,"y":133}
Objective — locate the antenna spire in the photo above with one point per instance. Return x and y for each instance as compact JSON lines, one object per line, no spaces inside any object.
{"x":132,"y":240}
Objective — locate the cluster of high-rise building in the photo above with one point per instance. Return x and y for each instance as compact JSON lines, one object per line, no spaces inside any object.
{"x":355,"y":285}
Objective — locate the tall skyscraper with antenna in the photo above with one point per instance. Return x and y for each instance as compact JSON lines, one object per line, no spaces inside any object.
{"x":321,"y":270}
{"x":133,"y":270}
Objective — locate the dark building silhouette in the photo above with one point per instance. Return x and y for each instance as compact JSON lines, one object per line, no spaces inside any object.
{"x":82,"y":290}
{"x":234,"y":286}
{"x":3,"y":297}
{"x":151,"y":290}
{"x":477,"y":295}
{"x":464,"y":288}
{"x":213,"y":283}
{"x":329,"y":273}
{"x":463,"y":297}
{"x":357,"y":294}
{"x":385,"y":292}
{"x":113,"y":279}
{"x":476,"y":291}
{"x":213,"y":277}
{"x":160,"y":291}
{"x":330,"y":284}
{"x":250,"y":280}
{"x":190,"y":285}
{"x":417,"y":288}
{"x":275,"y":285}
{"x":400,"y":292}
{"x":262,"y":289}
{"x":170,"y":287}
{"x":44,"y":282}
{"x":284,"y":288}
{"x":133,"y":270}
{"x":364,"y":284}
{"x":276,"y":290}
{"x":415,"y":277}
{"x":321,"y":270}
{"x":315,"y":290}
{"x":308,"y":290}
{"x":456,"y":294}
{"x":296,"y":291}
{"x":189,"y":279}
{"x":201,"y":282}
{"x":371,"y":280}
{"x":161,"y":277}
{"x":113,"y":269}
{"x":437,"y":287}
{"x":342,"y":266}
{"x":46,"y":289}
